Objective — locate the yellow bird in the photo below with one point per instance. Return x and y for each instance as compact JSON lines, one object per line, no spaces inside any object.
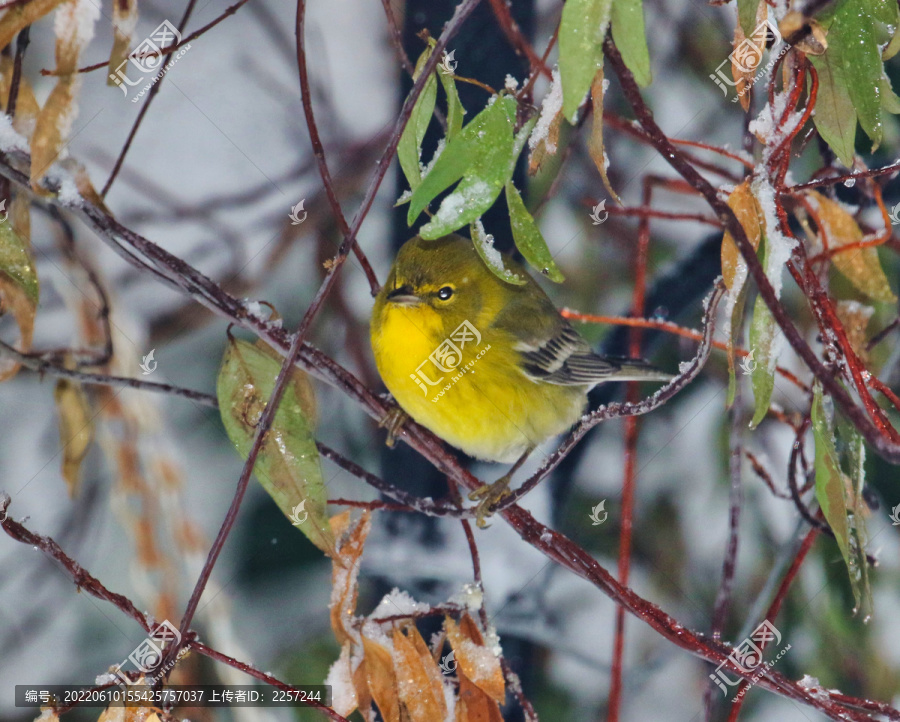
{"x":490,"y":367}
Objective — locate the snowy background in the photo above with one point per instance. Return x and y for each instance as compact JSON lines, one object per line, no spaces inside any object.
{"x":213,"y":173}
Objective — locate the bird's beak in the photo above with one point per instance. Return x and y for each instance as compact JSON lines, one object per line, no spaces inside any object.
{"x":404,"y":296}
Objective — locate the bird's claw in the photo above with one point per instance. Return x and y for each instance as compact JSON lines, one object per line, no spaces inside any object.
{"x":393,"y":422}
{"x":488,"y":496}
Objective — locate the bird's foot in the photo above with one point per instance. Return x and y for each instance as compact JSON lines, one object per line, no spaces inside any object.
{"x":488,"y":496}
{"x":393,"y":422}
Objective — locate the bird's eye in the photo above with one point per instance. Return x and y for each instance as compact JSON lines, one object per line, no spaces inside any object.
{"x":445,"y":293}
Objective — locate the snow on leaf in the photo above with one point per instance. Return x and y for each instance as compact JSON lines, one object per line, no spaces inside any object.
{"x":544,"y":139}
{"x":528,"y":237}
{"x":482,"y":155}
{"x":493,"y":259}
{"x":288,"y":464}
{"x":582,"y":29}
{"x":345,"y":577}
{"x":734,"y":268}
{"x":476,"y":662}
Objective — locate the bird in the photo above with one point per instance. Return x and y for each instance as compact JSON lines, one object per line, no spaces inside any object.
{"x":490,"y":367}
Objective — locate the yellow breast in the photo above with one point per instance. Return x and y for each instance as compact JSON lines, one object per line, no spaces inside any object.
{"x":464,"y":384}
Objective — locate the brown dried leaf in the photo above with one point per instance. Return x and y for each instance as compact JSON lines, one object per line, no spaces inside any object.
{"x":546,"y":146}
{"x":473,"y":705}
{"x":746,"y":208}
{"x":474,"y":660}
{"x":860,"y":266}
{"x":76,"y":429}
{"x":595,"y":144}
{"x":75,"y":28}
{"x":382,"y":680}
{"x":20,"y":16}
{"x":814,"y":42}
{"x":421,"y":692}
{"x":344,"y":577}
{"x":125,"y":17}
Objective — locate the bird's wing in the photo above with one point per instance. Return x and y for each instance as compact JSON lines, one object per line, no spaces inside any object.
{"x":552,"y":351}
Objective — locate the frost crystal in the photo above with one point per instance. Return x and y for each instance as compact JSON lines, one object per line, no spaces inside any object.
{"x":551,"y":105}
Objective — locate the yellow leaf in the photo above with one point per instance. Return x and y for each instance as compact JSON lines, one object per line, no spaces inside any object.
{"x":382,"y":680}
{"x":475,"y":661}
{"x":420,"y":691}
{"x":76,"y":429}
{"x":860,"y":266}
{"x":344,"y":577}
{"x":595,"y":144}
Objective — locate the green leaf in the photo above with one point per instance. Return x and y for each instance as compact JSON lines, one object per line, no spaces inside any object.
{"x":16,"y":262}
{"x":409,"y":149}
{"x":747,"y":13}
{"x":488,"y":150}
{"x":455,"y":110}
{"x":762,"y":342}
{"x":835,"y":116}
{"x":493,"y":259}
{"x":853,"y":32}
{"x":528,"y":237}
{"x":581,"y":33}
{"x":288,"y":463}
{"x":627,"y":21}
{"x":841,"y":505}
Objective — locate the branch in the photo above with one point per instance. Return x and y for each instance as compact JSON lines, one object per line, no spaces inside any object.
{"x":887,"y":449}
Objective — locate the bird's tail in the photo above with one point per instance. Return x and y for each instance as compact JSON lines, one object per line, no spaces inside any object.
{"x":632,"y":369}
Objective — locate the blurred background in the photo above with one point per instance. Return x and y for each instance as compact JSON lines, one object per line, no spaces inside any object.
{"x":212,"y":175}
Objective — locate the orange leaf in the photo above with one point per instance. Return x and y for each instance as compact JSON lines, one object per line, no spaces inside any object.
{"x":475,"y":661}
{"x":125,"y":17}
{"x":860,"y":266}
{"x":746,"y":208}
{"x":854,"y":317}
{"x":421,"y":690}
{"x":381,"y":680}
{"x":473,"y":705}
{"x":344,"y":578}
